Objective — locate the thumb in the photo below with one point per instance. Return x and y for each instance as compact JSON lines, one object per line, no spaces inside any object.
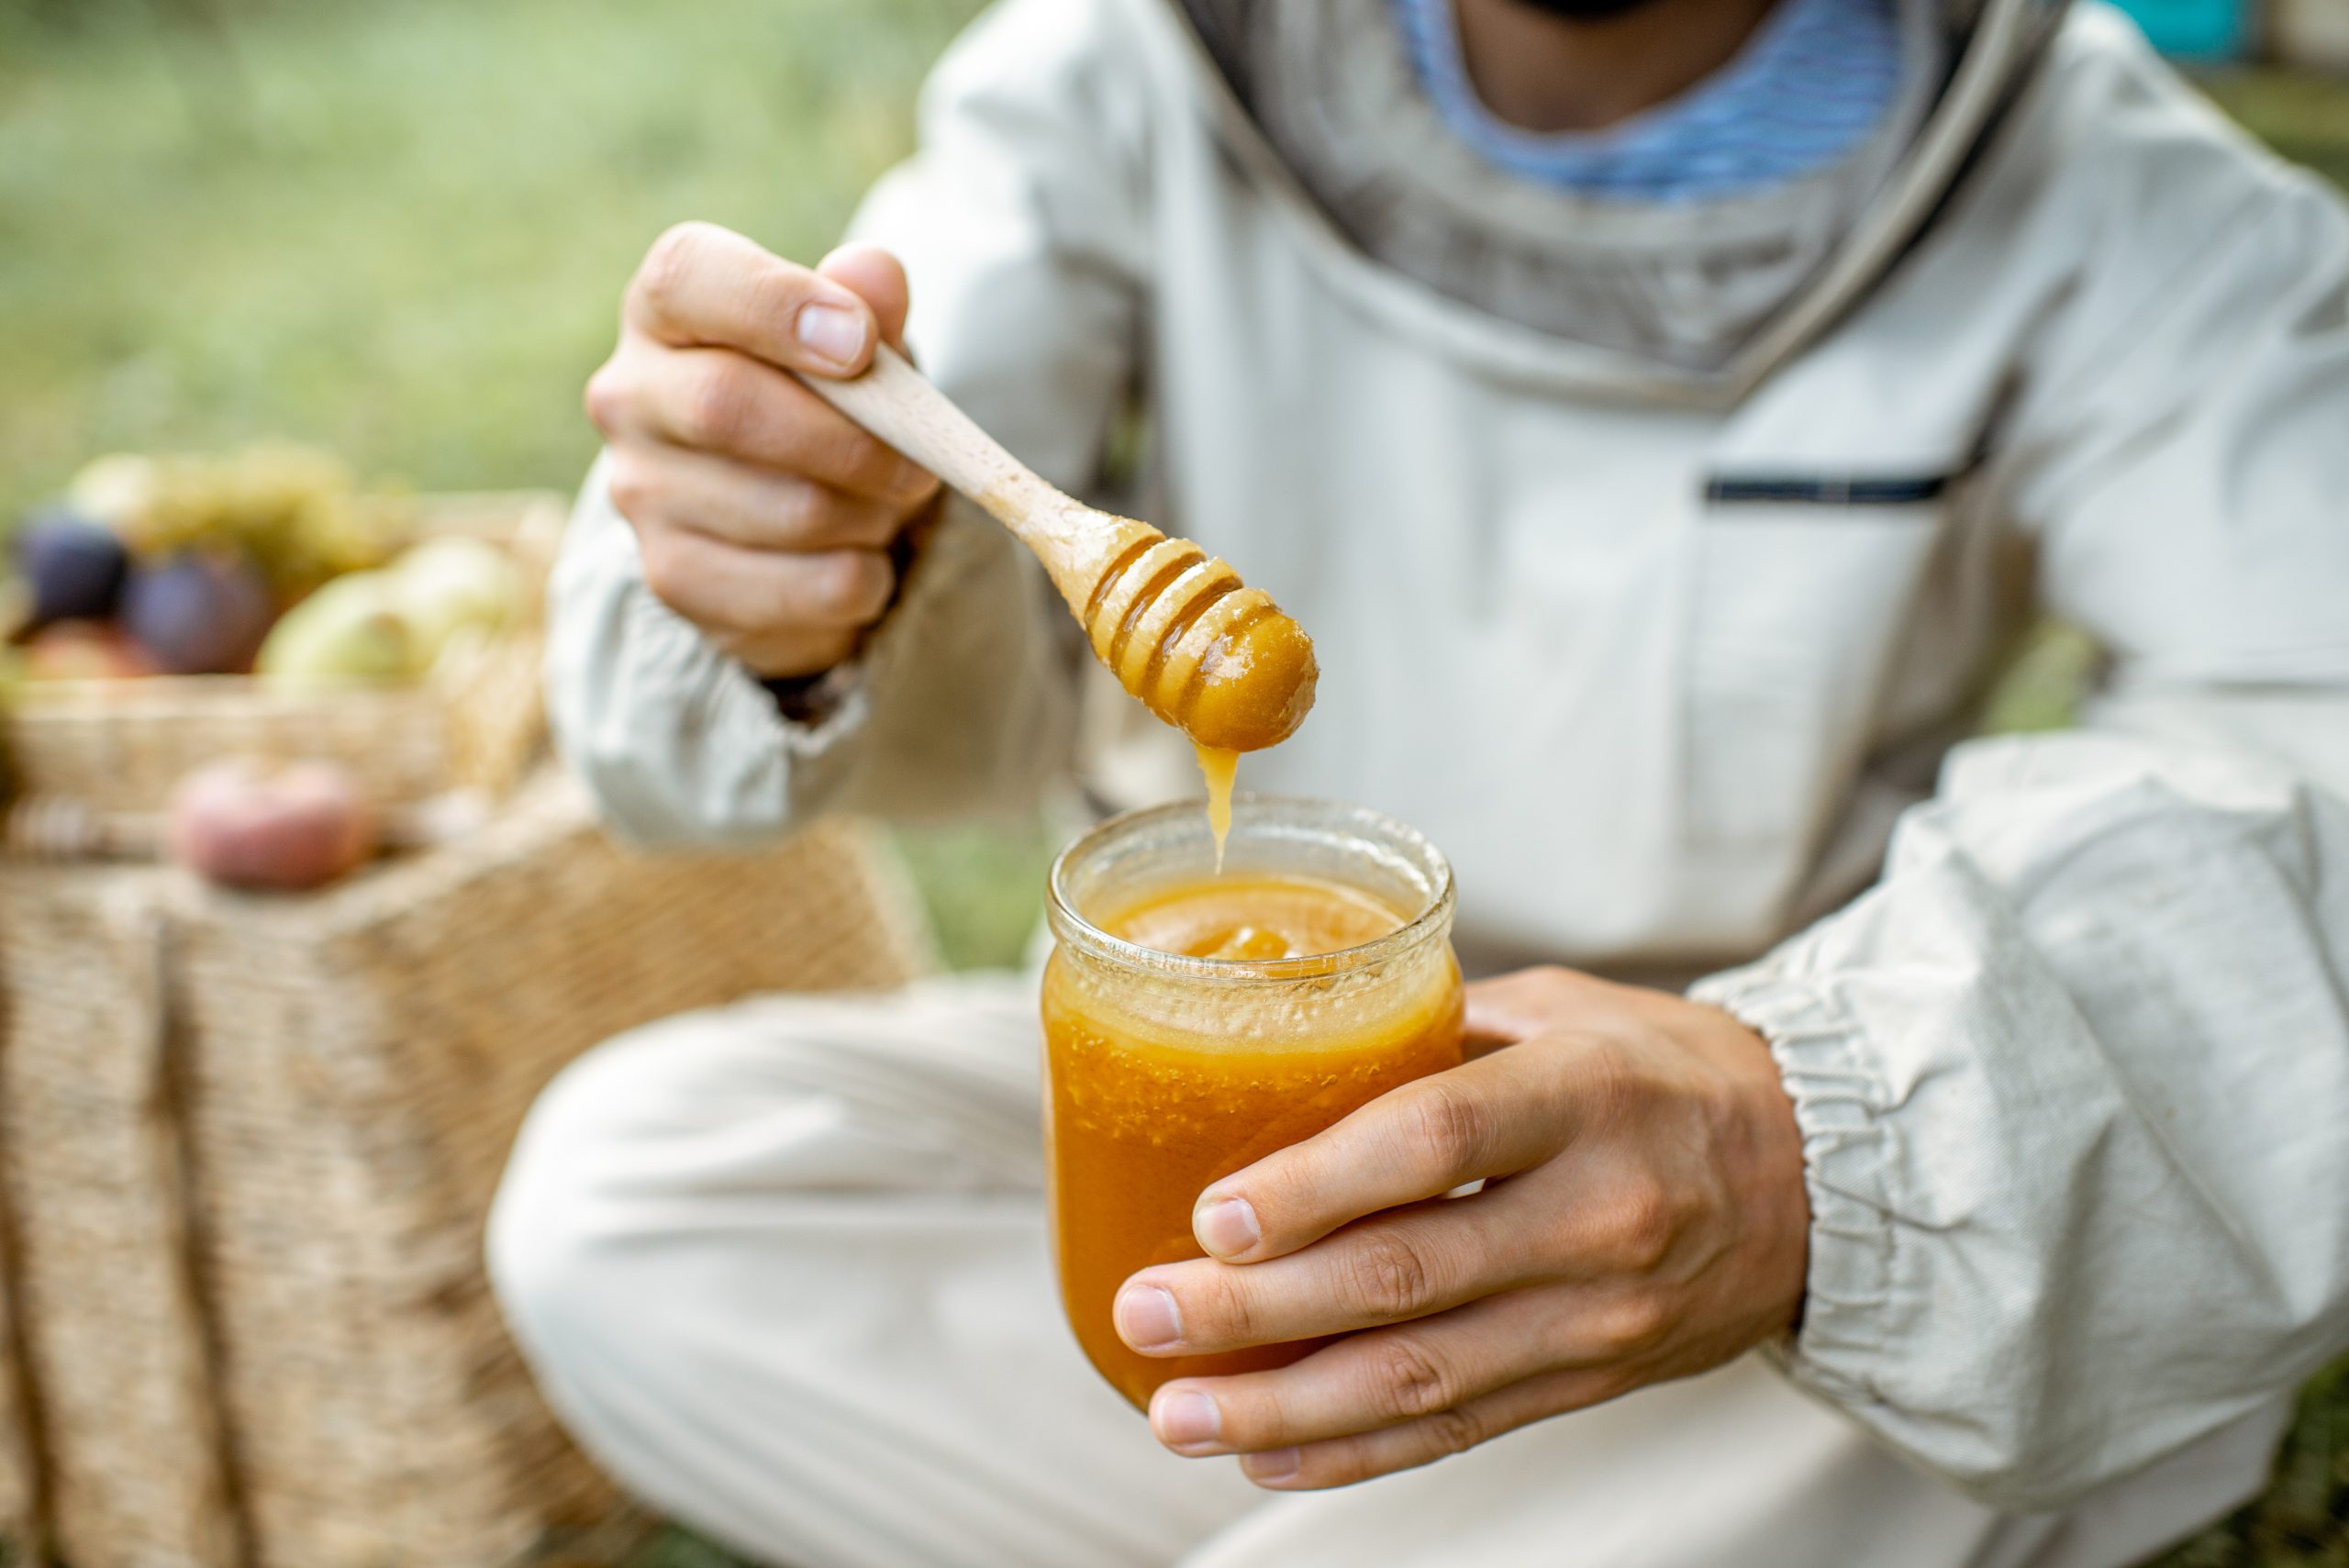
{"x":876,"y":277}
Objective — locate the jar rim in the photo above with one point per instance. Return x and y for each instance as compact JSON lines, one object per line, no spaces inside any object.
{"x":1069,"y":924}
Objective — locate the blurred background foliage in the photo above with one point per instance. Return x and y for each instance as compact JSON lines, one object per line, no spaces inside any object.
{"x":399,"y":230}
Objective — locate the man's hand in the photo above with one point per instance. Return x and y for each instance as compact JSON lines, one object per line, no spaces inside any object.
{"x":1642,"y":1218}
{"x":764,"y":517}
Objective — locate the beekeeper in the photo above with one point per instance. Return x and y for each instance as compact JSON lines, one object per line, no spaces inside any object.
{"x":1661,"y":413}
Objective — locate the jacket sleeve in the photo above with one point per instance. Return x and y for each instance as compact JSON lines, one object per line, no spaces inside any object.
{"x":2073,"y":1078}
{"x":1021,"y":221}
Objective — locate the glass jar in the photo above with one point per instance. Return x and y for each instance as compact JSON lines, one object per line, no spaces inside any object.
{"x":1163,"y":1072}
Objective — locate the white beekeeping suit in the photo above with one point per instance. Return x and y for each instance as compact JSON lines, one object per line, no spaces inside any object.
{"x":1692,"y":634}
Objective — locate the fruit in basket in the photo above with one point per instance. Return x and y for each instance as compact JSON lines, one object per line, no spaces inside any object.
{"x":200,"y":612}
{"x":116,"y":492}
{"x":83,"y":651}
{"x":352,"y":629}
{"x":448,"y":583}
{"x":385,"y":625}
{"x":245,"y":824}
{"x":74,"y":567}
{"x":294,"y":511}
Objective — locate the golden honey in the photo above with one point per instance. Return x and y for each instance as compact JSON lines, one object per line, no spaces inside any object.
{"x":1220,"y":768}
{"x":1194,"y":1024}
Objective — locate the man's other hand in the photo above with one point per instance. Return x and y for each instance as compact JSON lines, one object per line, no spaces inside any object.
{"x":1643,"y":1217}
{"x":764,"y":517}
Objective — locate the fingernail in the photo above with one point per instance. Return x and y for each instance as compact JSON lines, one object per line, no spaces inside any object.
{"x":1147,"y":1317}
{"x":1273,"y":1464}
{"x":830,"y":332}
{"x":1185,"y":1417}
{"x":1225,"y":1227}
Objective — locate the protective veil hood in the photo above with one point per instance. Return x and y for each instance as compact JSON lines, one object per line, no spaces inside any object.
{"x":1690,"y":304}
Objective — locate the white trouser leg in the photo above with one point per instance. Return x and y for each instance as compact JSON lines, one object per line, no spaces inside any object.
{"x":782,"y":1268}
{"x":1734,"y":1467}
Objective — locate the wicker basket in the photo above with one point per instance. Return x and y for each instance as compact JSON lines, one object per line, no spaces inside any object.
{"x":122,"y":745}
{"x":249,"y":1143}
{"x":21,"y":1510}
{"x":93,"y":1167}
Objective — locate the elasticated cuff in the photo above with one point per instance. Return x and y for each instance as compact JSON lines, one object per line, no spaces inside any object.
{"x":1829,"y":1072}
{"x":816,"y":708}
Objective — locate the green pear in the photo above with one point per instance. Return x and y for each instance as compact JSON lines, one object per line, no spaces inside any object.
{"x":447,"y":583}
{"x":351,"y":630}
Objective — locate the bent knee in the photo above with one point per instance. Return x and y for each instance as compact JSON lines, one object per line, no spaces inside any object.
{"x":716,"y":1120}
{"x":541,"y":1243}
{"x":556,"y":1243}
{"x":634,"y":1142}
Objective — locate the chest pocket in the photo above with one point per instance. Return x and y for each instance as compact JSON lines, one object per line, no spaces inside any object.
{"x":1798,"y":593}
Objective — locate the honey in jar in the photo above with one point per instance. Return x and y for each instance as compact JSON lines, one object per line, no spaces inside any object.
{"x":1195,"y":1023}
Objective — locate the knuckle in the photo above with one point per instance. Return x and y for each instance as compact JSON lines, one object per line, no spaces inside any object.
{"x":850,"y":585}
{"x":717,"y":405}
{"x":1556,"y":991}
{"x":1633,"y":1325}
{"x":1547,"y":986}
{"x":628,"y":483}
{"x":1610,"y":1082}
{"x":1455,"y":1431}
{"x":664,"y":572}
{"x":1220,"y":1311}
{"x":840,"y":454}
{"x":912,"y":485}
{"x":1408,"y":1381}
{"x":1448,"y":1125}
{"x":606,"y":397}
{"x":877,"y":581}
{"x":1386,"y":1277}
{"x":669,"y":261}
{"x":865,"y":525}
{"x":1645,"y":1222}
{"x":875,"y":469}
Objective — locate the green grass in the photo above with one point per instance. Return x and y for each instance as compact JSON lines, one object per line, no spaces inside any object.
{"x":401,"y":229}
{"x":2303,"y":117}
{"x":983,"y":884}
{"x":675,"y":1548}
{"x":2302,"y":1521}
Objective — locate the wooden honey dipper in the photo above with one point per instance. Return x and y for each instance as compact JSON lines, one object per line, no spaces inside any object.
{"x":1216,"y":660}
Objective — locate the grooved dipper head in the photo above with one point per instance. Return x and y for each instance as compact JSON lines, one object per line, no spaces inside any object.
{"x":1216,"y":660}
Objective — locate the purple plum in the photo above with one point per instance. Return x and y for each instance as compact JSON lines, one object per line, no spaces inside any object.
{"x":202,"y":612}
{"x":75,"y":567}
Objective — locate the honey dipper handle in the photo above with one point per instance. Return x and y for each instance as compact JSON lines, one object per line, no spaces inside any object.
{"x":896,"y":402}
{"x":1156,"y":610}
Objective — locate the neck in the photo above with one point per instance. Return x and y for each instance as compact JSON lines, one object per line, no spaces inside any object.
{"x":1541,"y":72}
